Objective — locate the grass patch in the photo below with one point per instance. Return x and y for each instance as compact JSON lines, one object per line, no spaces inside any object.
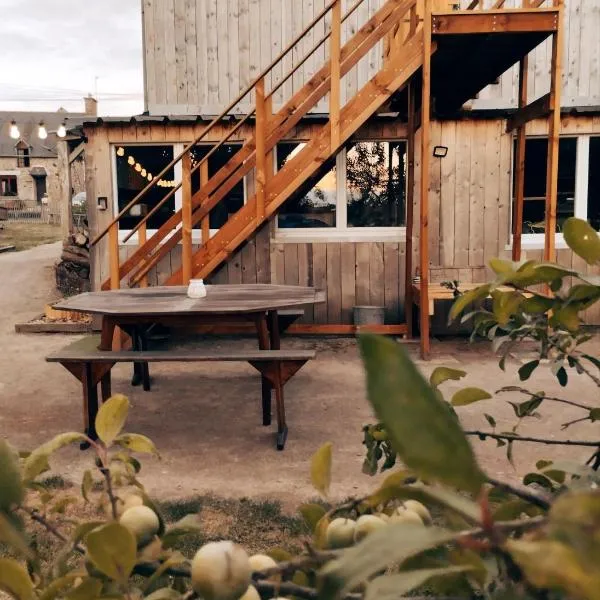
{"x":28,"y":235}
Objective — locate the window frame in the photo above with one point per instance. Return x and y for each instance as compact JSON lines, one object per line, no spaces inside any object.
{"x":341,"y":232}
{"x":4,"y":175}
{"x":23,"y":157}
{"x":536,"y":241}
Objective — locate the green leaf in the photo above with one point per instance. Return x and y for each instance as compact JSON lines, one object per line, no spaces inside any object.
{"x":87,"y":482}
{"x":390,"y":587}
{"x":595,"y":415}
{"x":527,"y":369}
{"x":88,"y":589}
{"x":390,"y":545}
{"x":112,"y":550}
{"x":14,"y":580}
{"x":111,"y":418}
{"x":582,"y":239}
{"x":505,"y":305}
{"x":320,"y":469}
{"x":562,"y":376}
{"x":566,"y":317}
{"x":441,"y":374}
{"x":12,"y":491}
{"x":469,"y":395}
{"x":137,"y":443}
{"x":490,"y":420}
{"x":83,"y":529}
{"x":37,"y":461}
{"x":538,"y":479}
{"x":426,"y":436}
{"x":10,"y":535}
{"x":185,"y":526}
{"x":550,"y":564}
{"x":501,"y":267}
{"x":468,"y":298}
{"x":320,"y":533}
{"x":312,"y":514}
{"x":527,"y":408}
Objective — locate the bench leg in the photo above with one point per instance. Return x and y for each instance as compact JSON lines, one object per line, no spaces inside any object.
{"x":106,"y":387}
{"x":141,"y":372}
{"x":90,"y":403}
{"x":262,"y":330}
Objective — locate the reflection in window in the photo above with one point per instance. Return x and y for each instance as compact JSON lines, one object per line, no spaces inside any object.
{"x":135,"y":165}
{"x":8,"y":185}
{"x":594,"y":184}
{"x":234,"y":200}
{"x":376,"y":184}
{"x":314,"y":202}
{"x":534,"y":205}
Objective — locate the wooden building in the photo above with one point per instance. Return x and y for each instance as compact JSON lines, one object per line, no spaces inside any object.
{"x":389,"y":152}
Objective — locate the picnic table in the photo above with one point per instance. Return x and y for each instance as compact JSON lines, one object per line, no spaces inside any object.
{"x":135,"y":310}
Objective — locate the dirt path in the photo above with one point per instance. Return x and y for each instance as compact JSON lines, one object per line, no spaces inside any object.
{"x":205,"y":419}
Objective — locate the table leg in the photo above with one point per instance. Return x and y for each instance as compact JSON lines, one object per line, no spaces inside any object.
{"x":90,"y":401}
{"x":105,"y":387}
{"x":262,"y":330}
{"x":107,"y":334}
{"x":274,"y":333}
{"x":144,"y":370}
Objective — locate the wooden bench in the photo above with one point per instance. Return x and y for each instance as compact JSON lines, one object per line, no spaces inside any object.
{"x":142,"y":341}
{"x":92,"y":367}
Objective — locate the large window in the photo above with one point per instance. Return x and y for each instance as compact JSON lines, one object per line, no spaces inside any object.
{"x":578,"y":184}
{"x":8,"y":185}
{"x":135,"y":167}
{"x":360,"y":191}
{"x":234,"y":200}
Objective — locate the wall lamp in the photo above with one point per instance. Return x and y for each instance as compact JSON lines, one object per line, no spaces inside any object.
{"x":440,"y":151}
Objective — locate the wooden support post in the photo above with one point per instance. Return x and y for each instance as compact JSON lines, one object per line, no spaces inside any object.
{"x":66,"y":207}
{"x":261,"y":157}
{"x":520,"y":163}
{"x":424,"y":191}
{"x":142,"y":238}
{"x":334,"y":57}
{"x":553,"y":137}
{"x":205,"y":223}
{"x":113,"y":256}
{"x":410,"y":194}
{"x":186,"y":218}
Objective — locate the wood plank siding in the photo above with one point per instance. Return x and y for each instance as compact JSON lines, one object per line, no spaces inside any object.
{"x":199,"y":54}
{"x":470,"y":207}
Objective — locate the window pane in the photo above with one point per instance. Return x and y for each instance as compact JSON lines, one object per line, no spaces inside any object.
{"x":376,"y":184}
{"x":534,"y":205}
{"x":234,"y":200}
{"x":594,"y":184}
{"x":130,"y":181}
{"x":8,"y":185}
{"x":314,"y":203}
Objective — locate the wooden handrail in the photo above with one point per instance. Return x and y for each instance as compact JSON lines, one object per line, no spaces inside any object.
{"x":216,"y":120}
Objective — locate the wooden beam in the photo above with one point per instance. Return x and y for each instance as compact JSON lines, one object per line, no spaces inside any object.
{"x":537,"y":109}
{"x":410,"y":195}
{"x":261,"y":157}
{"x":142,"y":237}
{"x":520,"y":171}
{"x":334,"y":93}
{"x":488,"y":21}
{"x":302,"y":329}
{"x":186,"y":217}
{"x":113,"y":256}
{"x":553,"y":139}
{"x":424,"y":190}
{"x":77,"y":152}
{"x":205,"y":222}
{"x":65,"y":199}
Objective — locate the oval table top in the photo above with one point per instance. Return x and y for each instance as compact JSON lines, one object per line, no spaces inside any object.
{"x":173,"y":300}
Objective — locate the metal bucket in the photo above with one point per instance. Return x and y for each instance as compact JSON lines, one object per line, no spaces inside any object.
{"x":369,"y":315}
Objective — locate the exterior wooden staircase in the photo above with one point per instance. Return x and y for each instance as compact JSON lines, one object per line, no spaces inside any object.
{"x":404,"y":26}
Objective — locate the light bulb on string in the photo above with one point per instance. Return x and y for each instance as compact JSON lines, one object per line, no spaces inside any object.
{"x":131,"y":161}
{"x":143,"y":172}
{"x":150,"y":177}
{"x":138,"y":167}
{"x":15,"y":134}
{"x":61,"y":132}
{"x":121,"y":151}
{"x":42,"y":131}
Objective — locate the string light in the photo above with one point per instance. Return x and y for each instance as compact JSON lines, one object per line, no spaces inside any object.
{"x":121,"y":151}
{"x":131,"y":161}
{"x":15,"y":134}
{"x":61,"y":132}
{"x":138,"y":167}
{"x":42,"y":131}
{"x":150,"y":178}
{"x":143,"y":172}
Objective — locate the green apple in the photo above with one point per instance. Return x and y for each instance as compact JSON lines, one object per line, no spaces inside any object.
{"x":402,"y":515}
{"x":142,"y":522}
{"x":366,"y":525}
{"x":221,"y":571}
{"x":251,"y":594}
{"x":420,"y":509}
{"x":340,"y":533}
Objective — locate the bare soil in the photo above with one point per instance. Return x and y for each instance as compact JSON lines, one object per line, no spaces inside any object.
{"x":205,"y":418}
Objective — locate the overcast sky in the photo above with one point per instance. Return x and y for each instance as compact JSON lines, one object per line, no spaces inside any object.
{"x":52,"y":51}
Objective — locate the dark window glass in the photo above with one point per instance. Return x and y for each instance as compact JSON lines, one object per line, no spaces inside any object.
{"x":135,"y":164}
{"x":234,"y":200}
{"x":376,"y":184}
{"x":534,"y":205}
{"x":314,"y":202}
{"x":23,"y":159}
{"x":594,"y":184}
{"x":8,"y":185}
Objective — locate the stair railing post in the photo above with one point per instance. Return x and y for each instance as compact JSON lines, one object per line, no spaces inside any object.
{"x":142,"y":238}
{"x":205,"y":222}
{"x":186,"y":218}
{"x":261,"y":157}
{"x":334,"y":55}
{"x":113,"y":256}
